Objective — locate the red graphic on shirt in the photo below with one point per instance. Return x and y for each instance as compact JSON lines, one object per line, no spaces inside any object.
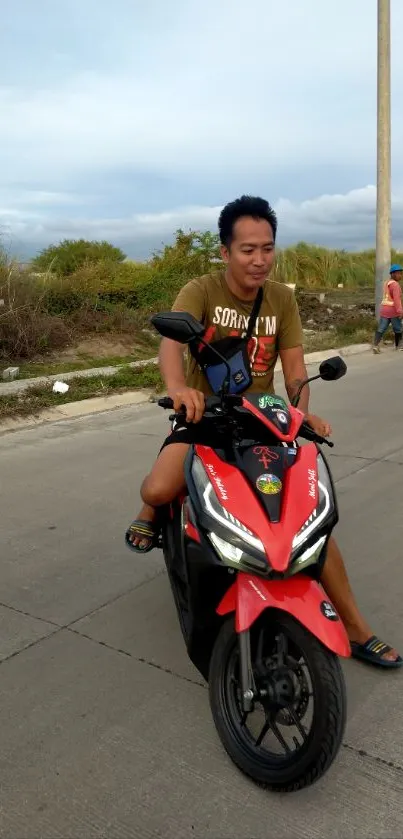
{"x":259,"y":350}
{"x":208,"y":336}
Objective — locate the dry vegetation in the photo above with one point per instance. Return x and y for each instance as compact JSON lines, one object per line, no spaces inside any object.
{"x":78,"y":291}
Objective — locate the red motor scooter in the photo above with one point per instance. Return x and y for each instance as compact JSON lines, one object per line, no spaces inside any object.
{"x":244,"y":549}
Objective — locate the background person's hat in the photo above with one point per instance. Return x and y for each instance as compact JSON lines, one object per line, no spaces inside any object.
{"x":395,"y":268}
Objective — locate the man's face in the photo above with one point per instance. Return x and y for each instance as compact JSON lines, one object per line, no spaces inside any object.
{"x":397,"y":275}
{"x":251,"y":254}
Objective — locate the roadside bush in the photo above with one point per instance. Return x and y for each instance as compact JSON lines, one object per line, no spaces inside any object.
{"x":25,"y":329}
{"x":64,"y":259}
{"x":90,"y":287}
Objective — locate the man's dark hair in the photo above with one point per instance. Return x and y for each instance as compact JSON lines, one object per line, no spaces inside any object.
{"x":247,"y":205}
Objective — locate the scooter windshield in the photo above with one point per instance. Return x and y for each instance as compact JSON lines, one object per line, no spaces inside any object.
{"x":274,"y":408}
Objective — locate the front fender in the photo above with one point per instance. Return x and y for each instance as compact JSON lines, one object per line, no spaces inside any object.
{"x":301,"y":597}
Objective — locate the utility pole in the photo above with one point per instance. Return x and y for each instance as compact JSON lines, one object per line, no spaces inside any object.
{"x":383,"y":194}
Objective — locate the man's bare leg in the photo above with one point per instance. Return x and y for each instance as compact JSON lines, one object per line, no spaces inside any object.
{"x":161,"y":486}
{"x":337,"y":586}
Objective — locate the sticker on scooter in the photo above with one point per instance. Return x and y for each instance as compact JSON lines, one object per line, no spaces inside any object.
{"x":269,"y":484}
{"x":268,"y":401}
{"x":328,"y":611}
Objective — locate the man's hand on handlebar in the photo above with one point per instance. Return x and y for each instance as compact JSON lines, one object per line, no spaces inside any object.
{"x":319,"y":426}
{"x":192,"y":400}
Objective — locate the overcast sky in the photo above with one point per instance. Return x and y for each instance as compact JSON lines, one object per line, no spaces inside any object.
{"x":127,"y":119}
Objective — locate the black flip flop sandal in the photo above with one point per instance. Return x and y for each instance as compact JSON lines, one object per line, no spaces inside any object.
{"x":372,"y":652}
{"x":145,"y":531}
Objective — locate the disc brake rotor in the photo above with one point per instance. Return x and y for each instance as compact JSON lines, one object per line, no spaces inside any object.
{"x":301,"y":698}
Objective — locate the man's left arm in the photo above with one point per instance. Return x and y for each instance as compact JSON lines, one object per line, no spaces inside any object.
{"x":290,"y":342}
{"x":295,"y":372}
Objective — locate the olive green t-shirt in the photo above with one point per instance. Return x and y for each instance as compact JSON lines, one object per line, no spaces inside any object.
{"x":278,"y":326}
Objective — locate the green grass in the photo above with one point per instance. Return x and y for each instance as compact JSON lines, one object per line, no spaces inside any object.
{"x":33,"y":369}
{"x":39,"y":397}
{"x":335,"y":338}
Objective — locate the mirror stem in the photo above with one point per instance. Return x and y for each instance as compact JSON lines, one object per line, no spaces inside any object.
{"x":227,"y":381}
{"x":297,"y":397}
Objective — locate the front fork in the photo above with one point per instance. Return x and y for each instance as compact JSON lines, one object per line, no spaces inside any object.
{"x":248,"y":686}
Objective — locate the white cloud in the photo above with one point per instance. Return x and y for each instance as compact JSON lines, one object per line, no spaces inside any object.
{"x":279,"y":84}
{"x":190,"y":92}
{"x":345,"y":221}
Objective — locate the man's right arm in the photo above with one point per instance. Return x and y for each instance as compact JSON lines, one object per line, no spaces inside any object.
{"x":171,"y":356}
{"x":172,"y":369}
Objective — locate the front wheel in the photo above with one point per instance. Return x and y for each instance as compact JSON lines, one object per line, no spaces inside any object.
{"x":295,"y":728}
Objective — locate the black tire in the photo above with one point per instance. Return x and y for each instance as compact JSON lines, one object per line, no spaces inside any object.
{"x":324,"y":740}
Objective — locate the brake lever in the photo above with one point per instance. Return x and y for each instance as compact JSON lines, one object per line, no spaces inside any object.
{"x":310,"y":434}
{"x":180,"y":416}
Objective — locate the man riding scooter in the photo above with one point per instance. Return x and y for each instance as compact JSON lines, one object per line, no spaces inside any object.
{"x":224,"y":302}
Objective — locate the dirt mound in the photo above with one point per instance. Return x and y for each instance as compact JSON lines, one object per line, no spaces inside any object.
{"x":326,"y":315}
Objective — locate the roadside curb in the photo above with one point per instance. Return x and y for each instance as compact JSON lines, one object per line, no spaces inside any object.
{"x":74,"y":410}
{"x":100,"y":404}
{"x":345,"y":352}
{"x":19,"y":385}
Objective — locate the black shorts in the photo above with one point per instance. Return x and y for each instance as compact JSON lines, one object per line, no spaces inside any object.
{"x":192,"y":433}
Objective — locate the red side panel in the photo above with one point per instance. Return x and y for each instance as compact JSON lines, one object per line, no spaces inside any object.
{"x":191,"y":532}
{"x":299,"y":596}
{"x":239,"y":499}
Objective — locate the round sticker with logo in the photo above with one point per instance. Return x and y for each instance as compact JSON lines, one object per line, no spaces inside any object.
{"x":328,"y":611}
{"x":269,"y":484}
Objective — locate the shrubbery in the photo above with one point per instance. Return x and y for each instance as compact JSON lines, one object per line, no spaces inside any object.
{"x":80,"y":287}
{"x":71,"y":254}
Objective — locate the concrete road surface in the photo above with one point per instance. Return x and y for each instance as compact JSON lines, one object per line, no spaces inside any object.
{"x":105,"y":725}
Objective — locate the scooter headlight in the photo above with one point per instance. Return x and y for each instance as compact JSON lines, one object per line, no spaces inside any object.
{"x":236,"y":557}
{"x":243,"y":538}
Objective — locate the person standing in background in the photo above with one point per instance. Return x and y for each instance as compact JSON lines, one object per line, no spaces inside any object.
{"x":391,"y":311}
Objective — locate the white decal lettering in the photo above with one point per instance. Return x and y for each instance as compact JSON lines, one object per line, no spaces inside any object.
{"x":217,"y":314}
{"x":271,"y":325}
{"x":312,"y":483}
{"x":225,"y":317}
{"x":234,"y":318}
{"x":217,"y":482}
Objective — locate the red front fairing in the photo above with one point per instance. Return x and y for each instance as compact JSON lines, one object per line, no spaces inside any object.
{"x":297,"y":418}
{"x":299,"y":596}
{"x":237,"y":496}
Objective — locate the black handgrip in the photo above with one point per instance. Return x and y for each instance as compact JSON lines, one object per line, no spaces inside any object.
{"x":322,"y":440}
{"x":166,"y":402}
{"x":309,"y":434}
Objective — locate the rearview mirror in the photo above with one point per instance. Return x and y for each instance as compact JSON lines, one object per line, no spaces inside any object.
{"x":332,"y":369}
{"x":178,"y":326}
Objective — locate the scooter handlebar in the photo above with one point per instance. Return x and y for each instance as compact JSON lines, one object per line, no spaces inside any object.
{"x":309,"y":434}
{"x":166,"y":402}
{"x":306,"y":431}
